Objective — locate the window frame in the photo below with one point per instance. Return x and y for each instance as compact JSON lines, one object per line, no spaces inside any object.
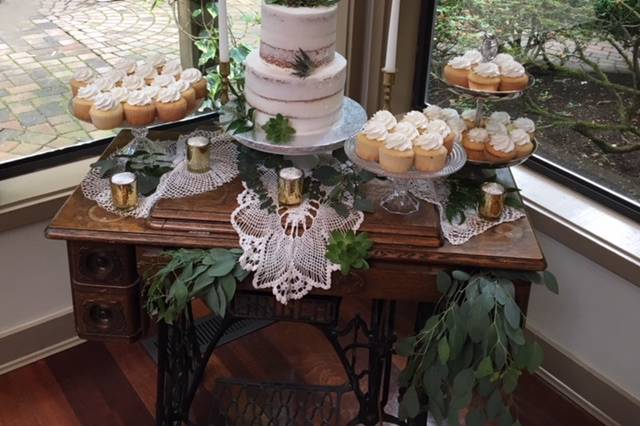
{"x":595,"y":191}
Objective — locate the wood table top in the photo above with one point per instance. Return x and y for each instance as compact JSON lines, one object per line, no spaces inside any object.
{"x":397,"y":239}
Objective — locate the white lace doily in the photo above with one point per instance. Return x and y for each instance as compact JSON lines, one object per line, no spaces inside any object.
{"x":437,"y":192}
{"x":179,"y":182}
{"x":286,"y":249}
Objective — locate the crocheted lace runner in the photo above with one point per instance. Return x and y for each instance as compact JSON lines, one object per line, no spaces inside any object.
{"x":179,"y":182}
{"x":286,"y":248}
{"x":437,"y":192}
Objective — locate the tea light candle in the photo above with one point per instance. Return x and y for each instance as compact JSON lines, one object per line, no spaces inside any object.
{"x":492,"y":204}
{"x":198,"y":149}
{"x":290,"y":186}
{"x":124,"y":191}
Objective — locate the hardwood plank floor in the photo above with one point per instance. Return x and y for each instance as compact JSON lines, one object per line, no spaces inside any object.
{"x":114,"y":384}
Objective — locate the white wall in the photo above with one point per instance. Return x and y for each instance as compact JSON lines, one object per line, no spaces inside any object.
{"x":34,"y":277}
{"x":596,"y":317}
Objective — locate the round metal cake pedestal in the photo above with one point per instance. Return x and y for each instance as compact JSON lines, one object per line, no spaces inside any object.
{"x":351,"y":122}
{"x":399,"y":200}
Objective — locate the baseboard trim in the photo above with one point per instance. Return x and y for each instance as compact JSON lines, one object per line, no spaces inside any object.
{"x":597,"y":395}
{"x":41,"y":338}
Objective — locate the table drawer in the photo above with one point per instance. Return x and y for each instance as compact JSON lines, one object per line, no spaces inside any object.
{"x":105,"y":264}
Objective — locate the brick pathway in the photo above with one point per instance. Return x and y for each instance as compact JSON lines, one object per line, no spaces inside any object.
{"x":38,"y":57}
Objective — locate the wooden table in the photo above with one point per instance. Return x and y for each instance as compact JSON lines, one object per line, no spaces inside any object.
{"x":108,"y":257}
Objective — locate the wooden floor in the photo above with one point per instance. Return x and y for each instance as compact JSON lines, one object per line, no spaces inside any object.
{"x":114,"y":384}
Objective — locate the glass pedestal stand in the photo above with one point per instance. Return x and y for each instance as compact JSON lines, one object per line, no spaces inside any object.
{"x":400,"y":201}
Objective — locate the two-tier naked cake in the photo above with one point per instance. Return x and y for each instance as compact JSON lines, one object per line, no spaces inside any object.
{"x":297,"y":72}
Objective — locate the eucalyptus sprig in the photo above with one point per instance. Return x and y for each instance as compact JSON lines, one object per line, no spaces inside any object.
{"x":208,"y":274}
{"x":471,"y":353}
{"x":349,"y":250}
{"x":303,"y":65}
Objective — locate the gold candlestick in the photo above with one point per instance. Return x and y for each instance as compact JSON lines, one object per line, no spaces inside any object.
{"x":124,"y":191}
{"x":388,"y":80}
{"x":492,"y":204}
{"x":290,"y":186}
{"x":225,"y":71}
{"x":198,"y":154}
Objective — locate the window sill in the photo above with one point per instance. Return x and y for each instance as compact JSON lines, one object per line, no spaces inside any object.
{"x":591,"y":229}
{"x":37,"y":196}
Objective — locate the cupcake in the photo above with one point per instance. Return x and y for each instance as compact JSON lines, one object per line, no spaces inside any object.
{"x":457,"y":70}
{"x":525,"y":124}
{"x":457,"y":124}
{"x":106,"y":113}
{"x":194,"y":78}
{"x":147,"y":71}
{"x":120,"y":94}
{"x":386,"y":118}
{"x":370,"y":140}
{"x":114,"y":77}
{"x":442,"y":128}
{"x":499,"y":149}
{"x":449,"y":114}
{"x":157,"y":61}
{"x":473,"y":56}
{"x":133,"y":82}
{"x":430,"y":152}
{"x":502,"y":58}
{"x":495,"y":127}
{"x":81,"y":78}
{"x":474,"y":141}
{"x":407,"y":129}
{"x":485,"y":77}
{"x":152,"y":91}
{"x":514,"y":78}
{"x":139,"y":110}
{"x":104,"y":84}
{"x":396,"y":155}
{"x":172,"y":68}
{"x":127,"y":65}
{"x":83,"y":102}
{"x":417,"y":120}
{"x":433,"y":112}
{"x":522,"y":141}
{"x":500,"y":117}
{"x":187,"y":92}
{"x":171,"y":106}
{"x":469,"y":117}
{"x":163,"y":80}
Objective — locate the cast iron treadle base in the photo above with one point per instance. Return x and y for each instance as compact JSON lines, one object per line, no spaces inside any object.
{"x":245,"y":403}
{"x":205,"y":330}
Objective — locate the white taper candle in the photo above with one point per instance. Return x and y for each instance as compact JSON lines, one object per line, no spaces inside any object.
{"x":223,"y":26}
{"x":392,"y":39}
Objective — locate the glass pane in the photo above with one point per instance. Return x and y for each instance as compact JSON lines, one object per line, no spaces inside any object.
{"x":40,"y":49}
{"x":584,"y":56}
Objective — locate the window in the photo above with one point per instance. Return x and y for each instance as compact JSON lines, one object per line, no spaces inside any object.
{"x":586,"y":100}
{"x":40,"y":51}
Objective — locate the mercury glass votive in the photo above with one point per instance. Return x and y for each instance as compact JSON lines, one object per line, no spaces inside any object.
{"x":492,"y":204}
{"x":198,"y":154}
{"x":124,"y":191}
{"x":290,"y":186}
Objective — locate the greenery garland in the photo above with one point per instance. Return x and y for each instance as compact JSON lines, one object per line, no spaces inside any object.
{"x":472,"y":351}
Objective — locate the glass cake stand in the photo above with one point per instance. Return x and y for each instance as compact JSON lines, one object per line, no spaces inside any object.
{"x":351,"y":122}
{"x":400,"y":201}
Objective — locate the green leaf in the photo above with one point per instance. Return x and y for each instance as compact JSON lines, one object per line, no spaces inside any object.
{"x":499,"y":357}
{"x":405,"y":347}
{"x":501,"y":295}
{"x":228,"y":285}
{"x":476,"y":418}
{"x":512,"y":313}
{"x":535,"y":358}
{"x":105,"y":166}
{"x":212,"y":300}
{"x":460,"y":275}
{"x":443,"y":350}
{"x":222,"y":298}
{"x":443,"y":281}
{"x":485,"y":368}
{"x":240,"y":273}
{"x":180,"y":292}
{"x":279,"y":130}
{"x":495,"y":405}
{"x":463,"y":382}
{"x":222,"y":267}
{"x":510,"y":380}
{"x":550,"y":282}
{"x":202,"y":282}
{"x":327,"y":175}
{"x":303,"y":65}
{"x":147,"y":184}
{"x":410,"y":402}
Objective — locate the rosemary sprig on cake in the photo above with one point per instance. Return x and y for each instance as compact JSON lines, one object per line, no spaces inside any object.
{"x":303,"y":65}
{"x":303,"y":3}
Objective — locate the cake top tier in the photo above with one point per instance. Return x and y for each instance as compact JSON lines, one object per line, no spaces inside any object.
{"x":287,"y":30}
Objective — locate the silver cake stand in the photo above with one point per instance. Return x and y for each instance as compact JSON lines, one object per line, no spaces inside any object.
{"x":400,"y":200}
{"x":353,"y":119}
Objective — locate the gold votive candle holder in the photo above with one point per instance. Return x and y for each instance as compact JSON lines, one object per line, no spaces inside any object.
{"x":198,"y":154}
{"x":290,"y":186}
{"x":492,"y":204}
{"x":124,"y":191}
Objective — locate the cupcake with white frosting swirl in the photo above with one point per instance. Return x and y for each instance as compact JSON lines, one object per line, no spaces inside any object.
{"x":396,"y":155}
{"x":157,"y":61}
{"x":194,"y":77}
{"x":120,"y":94}
{"x":442,"y":128}
{"x":187,"y":92}
{"x":83,"y":101}
{"x":147,"y":71}
{"x":433,"y":112}
{"x":457,"y":71}
{"x":485,"y":77}
{"x":81,"y":78}
{"x":139,"y":110}
{"x":525,"y":124}
{"x":163,"y":80}
{"x":522,"y":141}
{"x":128,"y":65}
{"x":474,"y":141}
{"x":106,"y":113}
{"x":172,"y":68}
{"x":500,"y":148}
{"x":513,"y":78}
{"x":133,"y":82}
{"x":370,"y":139}
{"x":170,"y":104}
{"x":417,"y":119}
{"x":430,"y":152}
{"x":469,"y":117}
{"x":386,"y":118}
{"x":407,"y":129}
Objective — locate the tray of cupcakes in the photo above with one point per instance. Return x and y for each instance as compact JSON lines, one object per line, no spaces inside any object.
{"x":501,"y":78}
{"x":418,"y":146}
{"x":137,"y":94}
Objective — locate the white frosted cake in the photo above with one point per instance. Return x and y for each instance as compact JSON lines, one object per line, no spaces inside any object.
{"x":312,"y":101}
